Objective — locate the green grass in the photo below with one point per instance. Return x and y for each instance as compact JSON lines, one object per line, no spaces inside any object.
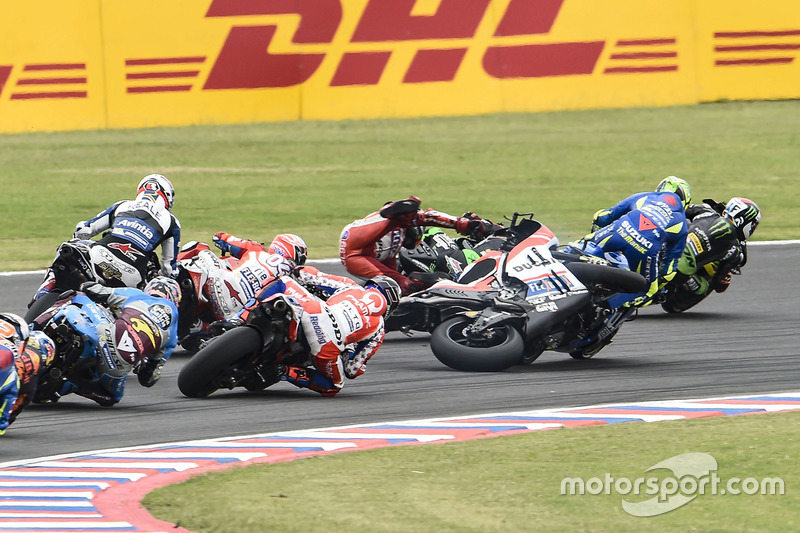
{"x":312,"y":178}
{"x":511,"y":483}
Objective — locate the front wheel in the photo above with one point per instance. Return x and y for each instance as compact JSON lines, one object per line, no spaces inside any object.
{"x":495,"y":349}
{"x":214,"y":365}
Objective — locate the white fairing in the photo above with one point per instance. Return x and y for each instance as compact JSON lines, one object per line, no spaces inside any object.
{"x":108,"y":267}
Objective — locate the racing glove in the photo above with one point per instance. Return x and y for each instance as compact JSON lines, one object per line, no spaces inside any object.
{"x":220,"y":240}
{"x":149,"y":371}
{"x":82,"y":231}
{"x":724,"y":283}
{"x":96,"y":292}
{"x":472,"y":224}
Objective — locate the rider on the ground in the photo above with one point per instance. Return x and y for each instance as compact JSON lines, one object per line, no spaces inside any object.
{"x":368,"y":247}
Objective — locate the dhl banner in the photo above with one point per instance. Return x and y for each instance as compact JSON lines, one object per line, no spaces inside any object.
{"x":90,"y":64}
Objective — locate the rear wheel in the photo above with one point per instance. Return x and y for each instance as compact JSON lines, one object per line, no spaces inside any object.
{"x":214,"y":366}
{"x":493,"y":350}
{"x":616,"y":279}
{"x":42,"y":304}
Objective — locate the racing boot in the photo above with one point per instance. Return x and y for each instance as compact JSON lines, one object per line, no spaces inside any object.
{"x":308,"y":378}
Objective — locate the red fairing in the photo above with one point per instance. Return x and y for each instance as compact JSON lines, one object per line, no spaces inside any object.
{"x":542,"y":237}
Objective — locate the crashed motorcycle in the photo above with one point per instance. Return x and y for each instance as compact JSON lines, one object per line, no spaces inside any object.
{"x":521,"y":298}
{"x":78,"y":261}
{"x":248,"y":355}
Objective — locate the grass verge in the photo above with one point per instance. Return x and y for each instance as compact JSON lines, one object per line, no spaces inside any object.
{"x":312,"y":178}
{"x":511,"y":483}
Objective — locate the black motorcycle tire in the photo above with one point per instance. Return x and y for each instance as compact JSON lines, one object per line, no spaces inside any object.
{"x":616,"y":279}
{"x":451,"y":348}
{"x":41,"y":305}
{"x":202,"y":374}
{"x":680,"y":301}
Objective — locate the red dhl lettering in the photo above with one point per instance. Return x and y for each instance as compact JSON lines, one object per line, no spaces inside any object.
{"x":246,"y":63}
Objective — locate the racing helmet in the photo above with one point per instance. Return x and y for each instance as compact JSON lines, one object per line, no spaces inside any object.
{"x":164,"y":287}
{"x":390,"y":290}
{"x":14,"y":329}
{"x":745,"y":215}
{"x":678,"y":186}
{"x":158,"y":185}
{"x":290,"y":246}
{"x":41,"y":345}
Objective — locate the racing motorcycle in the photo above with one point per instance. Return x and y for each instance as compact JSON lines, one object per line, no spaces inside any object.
{"x":79,"y":261}
{"x":195,"y":314}
{"x":521,"y":298}
{"x":248,"y":355}
{"x":72,"y":322}
{"x":437,"y":256}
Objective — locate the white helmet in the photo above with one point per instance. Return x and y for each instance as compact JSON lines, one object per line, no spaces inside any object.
{"x":745,"y":215}
{"x":156,"y":184}
{"x":14,"y":329}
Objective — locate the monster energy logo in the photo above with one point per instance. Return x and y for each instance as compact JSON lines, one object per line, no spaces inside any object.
{"x":720,"y":229}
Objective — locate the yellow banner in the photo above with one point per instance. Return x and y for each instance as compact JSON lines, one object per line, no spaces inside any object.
{"x":109,"y":64}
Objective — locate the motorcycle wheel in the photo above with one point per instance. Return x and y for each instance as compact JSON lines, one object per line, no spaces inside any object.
{"x":532,"y":353}
{"x":207,"y":369}
{"x":614,"y":278}
{"x":499,"y":351}
{"x":41,"y":305}
{"x":680,"y":301}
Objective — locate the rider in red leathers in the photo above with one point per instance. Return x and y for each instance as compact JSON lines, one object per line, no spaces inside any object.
{"x":340,"y":334}
{"x":368,"y":247}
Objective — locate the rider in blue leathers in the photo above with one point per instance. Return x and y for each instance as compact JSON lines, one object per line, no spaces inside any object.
{"x":141,"y":339}
{"x":134,"y":229}
{"x":650,"y":230}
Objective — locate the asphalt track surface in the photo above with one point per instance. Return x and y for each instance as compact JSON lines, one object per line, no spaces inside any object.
{"x":743,"y":341}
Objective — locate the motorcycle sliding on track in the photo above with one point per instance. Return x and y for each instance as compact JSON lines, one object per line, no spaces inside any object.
{"x":520,"y":298}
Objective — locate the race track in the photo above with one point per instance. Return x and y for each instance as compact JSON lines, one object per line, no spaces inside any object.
{"x":744,"y":341}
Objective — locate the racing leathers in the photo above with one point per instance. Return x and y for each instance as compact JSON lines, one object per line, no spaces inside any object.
{"x":368,"y":247}
{"x":141,"y":338}
{"x":713,"y":250}
{"x":9,"y":382}
{"x":137,"y":228}
{"x":340,"y":334}
{"x":30,"y":363}
{"x":232,"y":285}
{"x":650,"y":230}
